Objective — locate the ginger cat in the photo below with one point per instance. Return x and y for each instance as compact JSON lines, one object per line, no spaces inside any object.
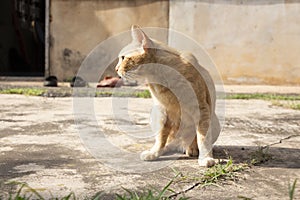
{"x":184,"y":96}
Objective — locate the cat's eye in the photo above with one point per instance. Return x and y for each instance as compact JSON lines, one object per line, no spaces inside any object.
{"x":123,"y":57}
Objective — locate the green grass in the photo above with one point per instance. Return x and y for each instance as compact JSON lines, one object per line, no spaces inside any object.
{"x":222,"y":172}
{"x":137,"y":94}
{"x":211,"y":176}
{"x":151,"y":194}
{"x":292,"y":189}
{"x":261,"y":155}
{"x":68,"y":92}
{"x":295,"y":106}
{"x":24,"y":91}
{"x":243,"y":197}
{"x":143,"y":94}
{"x":287,"y":104}
{"x":282,"y":97}
{"x":287,"y":101}
{"x":26,"y":192}
{"x":281,"y":100}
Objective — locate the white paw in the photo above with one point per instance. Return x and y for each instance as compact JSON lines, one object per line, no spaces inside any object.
{"x":206,"y":162}
{"x":148,"y":155}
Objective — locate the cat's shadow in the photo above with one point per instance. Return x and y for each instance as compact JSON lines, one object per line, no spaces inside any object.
{"x":272,"y":157}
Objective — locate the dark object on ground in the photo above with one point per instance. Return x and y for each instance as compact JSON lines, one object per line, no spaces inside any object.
{"x":50,"y":81}
{"x":110,"y":81}
{"x":77,"y":81}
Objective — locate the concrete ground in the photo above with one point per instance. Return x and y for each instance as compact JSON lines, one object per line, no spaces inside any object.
{"x":90,"y":145}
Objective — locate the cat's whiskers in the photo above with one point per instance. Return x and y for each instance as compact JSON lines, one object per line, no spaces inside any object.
{"x":131,"y":75}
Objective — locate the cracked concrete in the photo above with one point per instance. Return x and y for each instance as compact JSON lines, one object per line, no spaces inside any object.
{"x":41,"y":144}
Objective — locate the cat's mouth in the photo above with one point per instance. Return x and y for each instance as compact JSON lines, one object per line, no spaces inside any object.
{"x":120,"y":74}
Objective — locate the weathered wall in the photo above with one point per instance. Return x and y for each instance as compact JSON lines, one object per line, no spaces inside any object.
{"x":251,"y":42}
{"x":78,"y":26}
{"x":256,"y":41}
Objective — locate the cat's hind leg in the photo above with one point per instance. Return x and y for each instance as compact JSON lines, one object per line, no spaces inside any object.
{"x":205,"y":146}
{"x":192,"y":150}
{"x":204,"y":139}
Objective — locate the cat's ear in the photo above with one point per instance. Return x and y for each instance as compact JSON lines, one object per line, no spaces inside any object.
{"x":140,"y":37}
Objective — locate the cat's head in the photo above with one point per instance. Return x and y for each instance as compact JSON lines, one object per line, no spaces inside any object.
{"x":135,"y":54}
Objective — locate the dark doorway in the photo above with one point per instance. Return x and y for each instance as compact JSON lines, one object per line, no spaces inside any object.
{"x":22,"y":37}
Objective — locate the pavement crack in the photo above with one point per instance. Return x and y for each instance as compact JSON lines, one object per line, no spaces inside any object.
{"x":280,"y":141}
{"x":173,"y":196}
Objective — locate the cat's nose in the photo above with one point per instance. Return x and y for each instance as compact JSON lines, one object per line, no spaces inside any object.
{"x":117,"y":68}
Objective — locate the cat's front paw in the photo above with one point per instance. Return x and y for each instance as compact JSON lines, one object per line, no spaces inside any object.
{"x":148,"y":155}
{"x":206,"y":162}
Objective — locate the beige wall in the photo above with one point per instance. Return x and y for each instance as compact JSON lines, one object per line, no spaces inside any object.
{"x":256,"y":41}
{"x":78,"y":26}
{"x":251,"y":42}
